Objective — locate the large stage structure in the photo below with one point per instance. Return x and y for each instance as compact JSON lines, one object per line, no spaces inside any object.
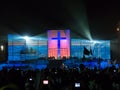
{"x":53,"y":49}
{"x":57,"y":45}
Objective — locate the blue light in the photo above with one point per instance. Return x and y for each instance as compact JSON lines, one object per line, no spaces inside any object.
{"x":100,"y":48}
{"x":17,"y":48}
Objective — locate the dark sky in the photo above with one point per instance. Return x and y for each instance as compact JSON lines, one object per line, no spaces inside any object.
{"x":103,"y":16}
{"x":36,"y":17}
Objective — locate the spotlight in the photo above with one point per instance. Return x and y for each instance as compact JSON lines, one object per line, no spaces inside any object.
{"x":2,"y":47}
{"x":26,"y":38}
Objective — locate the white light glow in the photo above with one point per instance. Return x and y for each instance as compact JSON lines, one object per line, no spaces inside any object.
{"x":26,"y":38}
{"x":1,"y":47}
{"x":45,"y":81}
{"x":94,"y":42}
{"x":118,"y":29}
{"x":77,"y":84}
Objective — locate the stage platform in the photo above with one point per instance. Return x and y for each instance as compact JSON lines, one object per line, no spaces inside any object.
{"x":42,"y":64}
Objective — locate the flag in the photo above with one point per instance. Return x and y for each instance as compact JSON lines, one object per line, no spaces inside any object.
{"x":86,"y":51}
{"x":91,"y":51}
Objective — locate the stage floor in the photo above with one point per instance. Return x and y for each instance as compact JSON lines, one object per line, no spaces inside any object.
{"x":42,"y":64}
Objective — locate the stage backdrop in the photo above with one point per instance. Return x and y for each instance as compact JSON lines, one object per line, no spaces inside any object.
{"x":59,"y":43}
{"x":31,"y":48}
{"x":90,"y":49}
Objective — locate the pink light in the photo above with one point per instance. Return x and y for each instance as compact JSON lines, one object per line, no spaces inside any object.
{"x":45,"y":82}
{"x":64,"y":48}
{"x":52,"y":48}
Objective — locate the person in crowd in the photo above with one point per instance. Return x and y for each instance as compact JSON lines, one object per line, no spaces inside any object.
{"x":76,"y":78}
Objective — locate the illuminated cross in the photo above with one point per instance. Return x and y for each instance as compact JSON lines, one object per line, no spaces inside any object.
{"x":59,"y":38}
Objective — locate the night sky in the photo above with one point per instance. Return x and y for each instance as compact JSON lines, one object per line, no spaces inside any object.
{"x":98,"y":18}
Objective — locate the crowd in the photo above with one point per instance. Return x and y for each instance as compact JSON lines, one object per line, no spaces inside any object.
{"x":76,"y":78}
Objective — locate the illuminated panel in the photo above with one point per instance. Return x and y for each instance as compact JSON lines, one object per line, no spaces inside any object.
{"x":65,"y":44}
{"x":58,"y":43}
{"x":99,"y":48}
{"x":52,"y":48}
{"x":21,"y":49}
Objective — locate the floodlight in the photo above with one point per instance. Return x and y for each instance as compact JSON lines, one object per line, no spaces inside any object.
{"x":26,"y":38}
{"x":2,"y":47}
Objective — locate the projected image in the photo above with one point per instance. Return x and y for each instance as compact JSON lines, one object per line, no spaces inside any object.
{"x":26,"y":48}
{"x":58,"y":46}
{"x":58,"y":43}
{"x":90,"y":49}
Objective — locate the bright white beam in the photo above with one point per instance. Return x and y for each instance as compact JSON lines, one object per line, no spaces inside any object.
{"x":26,"y":38}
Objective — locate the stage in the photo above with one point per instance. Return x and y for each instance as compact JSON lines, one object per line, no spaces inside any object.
{"x":42,"y":64}
{"x":57,"y":47}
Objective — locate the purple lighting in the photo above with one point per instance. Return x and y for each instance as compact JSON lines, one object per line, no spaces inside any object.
{"x":59,"y":38}
{"x":58,"y":43}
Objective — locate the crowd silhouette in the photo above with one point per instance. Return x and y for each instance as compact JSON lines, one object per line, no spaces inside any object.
{"x":60,"y":78}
